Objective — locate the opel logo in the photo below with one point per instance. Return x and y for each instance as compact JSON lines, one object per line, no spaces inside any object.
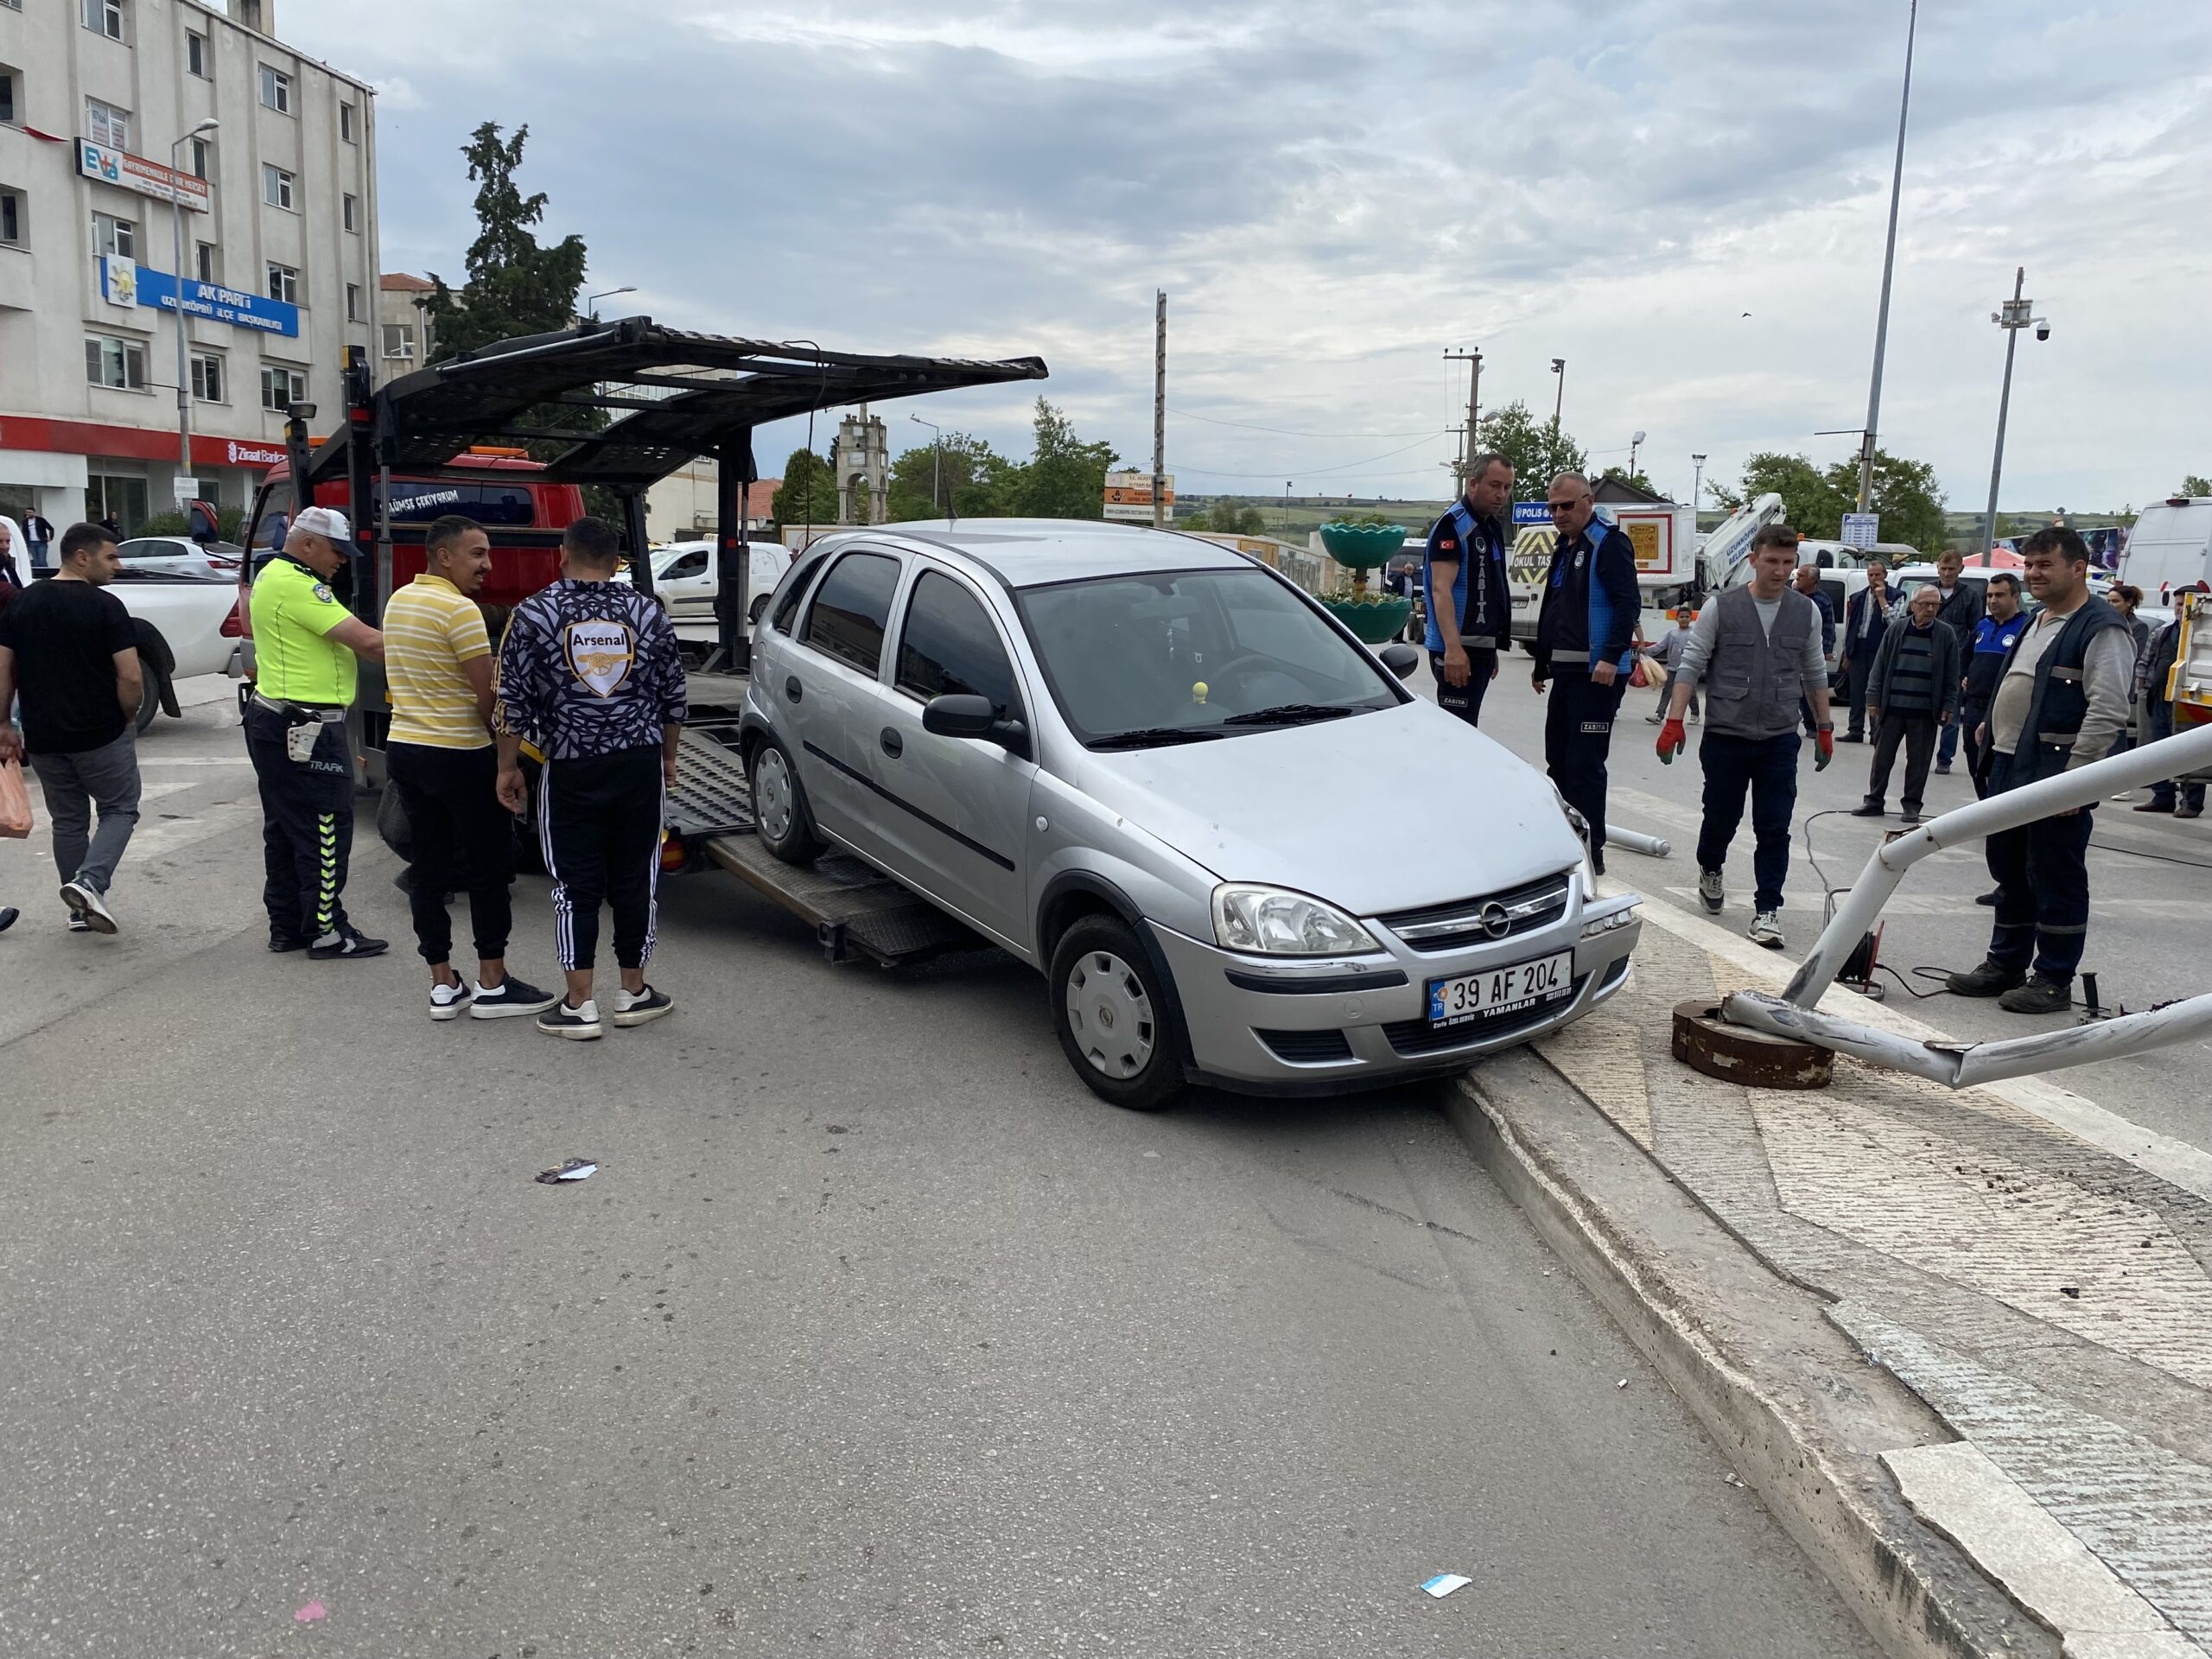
{"x":1496,"y":922}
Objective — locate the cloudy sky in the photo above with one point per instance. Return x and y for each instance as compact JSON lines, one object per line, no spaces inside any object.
{"x":1684,"y":199}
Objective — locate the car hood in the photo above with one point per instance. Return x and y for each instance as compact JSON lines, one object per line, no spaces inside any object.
{"x":1377,"y":812}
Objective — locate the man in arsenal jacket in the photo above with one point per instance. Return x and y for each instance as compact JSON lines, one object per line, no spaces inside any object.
{"x":1583,"y":644}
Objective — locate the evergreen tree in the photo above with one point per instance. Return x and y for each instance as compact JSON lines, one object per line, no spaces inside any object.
{"x":808,"y":494}
{"x":515,"y":285}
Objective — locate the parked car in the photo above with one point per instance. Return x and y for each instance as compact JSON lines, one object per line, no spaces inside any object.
{"x":685,"y":578}
{"x":180,"y":555}
{"x":1152,"y":767}
{"x":187,"y":625}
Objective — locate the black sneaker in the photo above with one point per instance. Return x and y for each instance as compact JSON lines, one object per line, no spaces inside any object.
{"x":84,"y":901}
{"x":1942,"y":772}
{"x":2154,"y":805}
{"x":1989,"y":898}
{"x":1851,"y":737}
{"x":1911,"y":815}
{"x":1869,"y":809}
{"x":346,"y":943}
{"x":562,"y":1020}
{"x":2041,"y":994}
{"x":8,"y":914}
{"x":1988,"y":980}
{"x":79,"y":924}
{"x":448,"y":1001}
{"x":510,"y":999}
{"x":648,"y":1004}
{"x":281,"y":943}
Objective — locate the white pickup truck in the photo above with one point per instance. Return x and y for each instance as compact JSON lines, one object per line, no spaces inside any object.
{"x":187,"y":625}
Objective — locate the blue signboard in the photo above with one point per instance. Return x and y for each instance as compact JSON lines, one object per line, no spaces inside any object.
{"x":157,"y":289}
{"x":1531,"y":512}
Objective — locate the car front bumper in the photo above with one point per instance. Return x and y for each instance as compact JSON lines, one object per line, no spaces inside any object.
{"x":1272,"y":1025}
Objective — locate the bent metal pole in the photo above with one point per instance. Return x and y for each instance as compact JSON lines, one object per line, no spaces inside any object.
{"x":2170,"y":756}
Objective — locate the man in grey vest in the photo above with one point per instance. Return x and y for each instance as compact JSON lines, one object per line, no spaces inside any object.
{"x":1757,"y":651}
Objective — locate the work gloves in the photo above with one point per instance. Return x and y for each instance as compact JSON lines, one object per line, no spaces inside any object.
{"x":1824,"y":743}
{"x":1672,"y":740}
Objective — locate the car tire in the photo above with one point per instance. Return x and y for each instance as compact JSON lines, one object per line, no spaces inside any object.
{"x":149,"y":692}
{"x":781,"y":815}
{"x":760,"y":609}
{"x":1114,"y":1018}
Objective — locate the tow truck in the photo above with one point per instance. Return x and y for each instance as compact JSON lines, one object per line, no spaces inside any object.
{"x":666,"y":398}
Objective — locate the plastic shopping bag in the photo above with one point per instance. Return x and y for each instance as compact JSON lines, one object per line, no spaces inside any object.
{"x":15,"y":801}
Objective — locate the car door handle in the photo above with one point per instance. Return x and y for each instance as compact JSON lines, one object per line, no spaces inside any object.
{"x":894,"y":745}
{"x":792,"y":688}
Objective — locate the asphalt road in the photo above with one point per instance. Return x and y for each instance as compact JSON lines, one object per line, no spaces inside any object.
{"x":874,"y":1334}
{"x":2150,"y":883}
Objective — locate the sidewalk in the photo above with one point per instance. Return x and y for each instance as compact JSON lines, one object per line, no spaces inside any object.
{"x":2033,"y":1270}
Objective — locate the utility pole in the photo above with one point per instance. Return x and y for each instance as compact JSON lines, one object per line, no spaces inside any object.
{"x":1474,"y":361}
{"x":1559,"y":397}
{"x":1889,"y":263}
{"x":2013,"y":318}
{"x":1160,"y":409}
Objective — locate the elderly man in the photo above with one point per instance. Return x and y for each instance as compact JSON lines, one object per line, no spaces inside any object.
{"x":305,"y":642}
{"x":1914,"y":693}
{"x":1867,"y":618}
{"x":1585,"y":637}
{"x":1470,"y":607}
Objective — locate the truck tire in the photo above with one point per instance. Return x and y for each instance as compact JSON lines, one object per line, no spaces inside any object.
{"x":1115,"y":1020}
{"x":150,"y":691}
{"x":780,"y":817}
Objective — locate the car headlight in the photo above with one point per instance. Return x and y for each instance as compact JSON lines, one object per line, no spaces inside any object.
{"x":1274,"y":922}
{"x":1581,"y":825}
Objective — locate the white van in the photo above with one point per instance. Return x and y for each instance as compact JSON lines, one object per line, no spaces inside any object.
{"x":2170,"y":548}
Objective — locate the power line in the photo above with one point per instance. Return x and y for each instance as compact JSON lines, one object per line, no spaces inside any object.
{"x":1285,"y":432}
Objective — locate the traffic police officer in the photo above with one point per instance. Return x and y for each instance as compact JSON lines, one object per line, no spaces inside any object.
{"x":1586,"y":645}
{"x":305,"y":642}
{"x":1470,"y":607}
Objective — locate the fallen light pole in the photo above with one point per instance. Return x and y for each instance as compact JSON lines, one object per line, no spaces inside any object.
{"x":1793,"y":1015}
{"x":1636,"y":842}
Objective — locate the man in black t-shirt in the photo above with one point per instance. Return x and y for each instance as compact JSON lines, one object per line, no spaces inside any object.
{"x":72,"y":652}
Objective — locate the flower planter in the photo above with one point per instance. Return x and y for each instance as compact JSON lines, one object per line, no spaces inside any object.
{"x":1378,"y":618}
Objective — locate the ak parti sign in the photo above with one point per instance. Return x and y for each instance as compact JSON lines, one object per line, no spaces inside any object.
{"x":131,"y":443}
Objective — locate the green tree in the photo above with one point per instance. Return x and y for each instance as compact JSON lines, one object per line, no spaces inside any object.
{"x":1065,"y":478}
{"x":1641,"y":480}
{"x":1810,"y":504}
{"x":1538,"y":449}
{"x":2196,"y":484}
{"x":515,"y":286}
{"x":808,"y":493}
{"x":1904,"y":492}
{"x":973,"y":480}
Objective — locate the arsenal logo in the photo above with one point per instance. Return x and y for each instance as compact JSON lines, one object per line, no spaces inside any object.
{"x":599,"y":654}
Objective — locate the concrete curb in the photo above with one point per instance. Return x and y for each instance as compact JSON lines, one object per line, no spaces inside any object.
{"x":1790,"y":1401}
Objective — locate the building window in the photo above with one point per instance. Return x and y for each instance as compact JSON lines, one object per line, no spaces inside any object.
{"x":352,"y":213}
{"x":281,"y":388}
{"x":276,"y":187}
{"x":104,"y":17}
{"x":11,"y":215}
{"x":112,"y":362}
{"x":207,"y":378}
{"x":8,"y":97}
{"x":399,"y":341}
{"x":195,"y":53}
{"x":207,"y":262}
{"x":203,"y":158}
{"x":354,"y":303}
{"x":283,"y":283}
{"x":276,"y":90}
{"x":345,"y":123}
{"x":105,"y":124}
{"x":110,"y":235}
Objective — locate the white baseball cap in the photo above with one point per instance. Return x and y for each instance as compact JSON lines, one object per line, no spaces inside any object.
{"x":326,"y":522}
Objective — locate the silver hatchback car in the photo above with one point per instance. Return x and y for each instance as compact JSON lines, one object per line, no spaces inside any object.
{"x":1240,"y":851}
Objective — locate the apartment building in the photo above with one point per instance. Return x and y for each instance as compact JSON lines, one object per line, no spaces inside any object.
{"x":149,"y":150}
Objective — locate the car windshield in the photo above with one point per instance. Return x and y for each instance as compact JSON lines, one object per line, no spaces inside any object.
{"x":1181,"y":655}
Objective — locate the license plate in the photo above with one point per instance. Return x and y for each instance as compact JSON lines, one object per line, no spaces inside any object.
{"x":1467,"y":998}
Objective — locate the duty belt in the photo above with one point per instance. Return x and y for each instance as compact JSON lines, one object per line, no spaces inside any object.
{"x":328,"y":712}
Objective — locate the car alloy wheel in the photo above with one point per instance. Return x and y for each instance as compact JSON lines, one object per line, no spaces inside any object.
{"x":1110,"y":1015}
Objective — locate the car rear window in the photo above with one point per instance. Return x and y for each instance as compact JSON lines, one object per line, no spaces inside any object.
{"x":794,"y":591}
{"x":852,"y":609}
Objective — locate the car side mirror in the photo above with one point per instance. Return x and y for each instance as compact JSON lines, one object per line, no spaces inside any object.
{"x":963,"y":714}
{"x":1401,"y":658}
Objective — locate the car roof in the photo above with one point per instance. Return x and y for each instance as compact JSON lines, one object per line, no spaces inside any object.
{"x":1031,"y":552}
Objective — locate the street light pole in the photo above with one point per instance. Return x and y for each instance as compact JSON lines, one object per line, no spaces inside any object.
{"x":1634,"y":443}
{"x":1697,"y":488}
{"x":937,"y":461}
{"x":2015,"y":316}
{"x":591,"y":305}
{"x":1286,"y":508}
{"x":1889,"y":263}
{"x":176,"y":248}
{"x":1558,"y":396}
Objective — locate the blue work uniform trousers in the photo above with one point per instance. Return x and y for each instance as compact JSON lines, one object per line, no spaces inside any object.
{"x":2167,"y":791}
{"x":1577,"y":741}
{"x":1767,"y":768}
{"x":2043,"y":888}
{"x":1972,"y":714}
{"x":307,"y":824}
{"x":1465,"y":701}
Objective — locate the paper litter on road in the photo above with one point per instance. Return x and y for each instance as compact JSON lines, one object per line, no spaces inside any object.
{"x":308,"y":1614}
{"x":1445,"y":1583}
{"x":577,"y":1169}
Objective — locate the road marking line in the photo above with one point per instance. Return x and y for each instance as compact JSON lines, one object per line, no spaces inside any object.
{"x":145,"y":760}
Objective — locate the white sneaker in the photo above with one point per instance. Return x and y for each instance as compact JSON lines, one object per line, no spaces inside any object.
{"x":648,"y":1004}
{"x":1766,"y":930}
{"x":84,"y":901}
{"x":581,"y":1023}
{"x":447,"y":1001}
{"x":1710,"y":889}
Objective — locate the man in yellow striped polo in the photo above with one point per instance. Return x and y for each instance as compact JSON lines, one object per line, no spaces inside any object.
{"x":440,"y":757}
